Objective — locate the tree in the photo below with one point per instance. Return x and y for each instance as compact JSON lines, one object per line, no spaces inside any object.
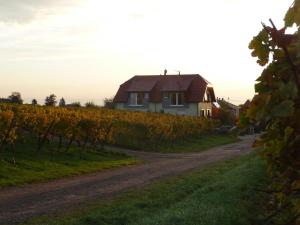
{"x":34,"y":102}
{"x":90,"y":105}
{"x":226,"y":117}
{"x":74,"y":104}
{"x":277,"y":105}
{"x":62,"y":102}
{"x":226,"y":114}
{"x":51,"y":100}
{"x":108,"y":103}
{"x":15,"y":97}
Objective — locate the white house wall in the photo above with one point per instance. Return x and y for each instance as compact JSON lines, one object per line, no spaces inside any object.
{"x":191,"y":110}
{"x":204,"y":106}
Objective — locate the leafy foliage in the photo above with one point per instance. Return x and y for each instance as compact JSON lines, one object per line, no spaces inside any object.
{"x":34,"y":102}
{"x":225,"y":113}
{"x":108,"y":103}
{"x":50,"y":100}
{"x":90,"y":105}
{"x":277,"y":104}
{"x":62,"y":102}
{"x":74,"y":104}
{"x":15,"y":97}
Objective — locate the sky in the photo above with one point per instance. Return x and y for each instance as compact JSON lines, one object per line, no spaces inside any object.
{"x":83,"y":50}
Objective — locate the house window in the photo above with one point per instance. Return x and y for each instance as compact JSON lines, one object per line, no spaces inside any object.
{"x":208,"y":97}
{"x":208,"y":114}
{"x":202,"y":113}
{"x":176,"y":99}
{"x":137,"y":99}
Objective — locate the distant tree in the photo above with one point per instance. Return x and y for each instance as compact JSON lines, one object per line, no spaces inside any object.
{"x":62,"y":102}
{"x":15,"y":97}
{"x":74,"y":104}
{"x":108,"y":103}
{"x":90,"y":105}
{"x":51,"y":100}
{"x":34,"y":102}
{"x":226,"y":117}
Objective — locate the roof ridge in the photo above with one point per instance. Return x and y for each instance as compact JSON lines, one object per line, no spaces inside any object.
{"x":182,"y":74}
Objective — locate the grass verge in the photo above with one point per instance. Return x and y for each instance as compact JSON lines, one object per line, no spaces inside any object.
{"x":198,"y":144}
{"x":221,"y":194}
{"x":52,"y":164}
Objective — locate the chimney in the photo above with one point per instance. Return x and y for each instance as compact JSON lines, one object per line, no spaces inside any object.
{"x":165,"y":72}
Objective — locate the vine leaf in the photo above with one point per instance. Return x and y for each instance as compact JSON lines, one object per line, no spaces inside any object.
{"x":260,"y":47}
{"x":298,"y":46}
{"x":288,"y":90}
{"x":284,"y":109}
{"x":293,"y":15}
{"x":280,"y":38}
{"x":261,"y":88}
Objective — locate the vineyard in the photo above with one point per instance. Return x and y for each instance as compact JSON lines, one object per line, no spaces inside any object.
{"x":93,"y":128}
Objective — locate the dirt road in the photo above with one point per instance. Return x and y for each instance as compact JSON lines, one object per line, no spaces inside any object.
{"x":20,"y":203}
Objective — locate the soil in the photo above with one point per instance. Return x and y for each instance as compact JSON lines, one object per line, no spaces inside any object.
{"x":18,"y":204}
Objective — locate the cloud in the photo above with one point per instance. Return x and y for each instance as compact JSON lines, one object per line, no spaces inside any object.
{"x":136,"y":16}
{"x":25,"y":11}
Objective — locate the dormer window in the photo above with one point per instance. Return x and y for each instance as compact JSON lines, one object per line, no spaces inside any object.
{"x":208,"y":96}
{"x":176,"y":99}
{"x":137,"y":98}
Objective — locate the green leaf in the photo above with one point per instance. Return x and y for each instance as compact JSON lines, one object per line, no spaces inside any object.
{"x":293,"y":15}
{"x":288,"y":90}
{"x":262,"y":88}
{"x":297,"y":12}
{"x":288,"y":131}
{"x":278,"y":54}
{"x":289,"y":17}
{"x":298,"y":44}
{"x":261,"y":47}
{"x":284,"y":109}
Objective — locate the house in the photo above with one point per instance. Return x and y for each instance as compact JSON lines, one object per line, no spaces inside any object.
{"x":185,"y":94}
{"x":226,"y":105}
{"x":5,"y":100}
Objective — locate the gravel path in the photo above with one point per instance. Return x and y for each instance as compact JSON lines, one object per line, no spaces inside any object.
{"x":20,"y":203}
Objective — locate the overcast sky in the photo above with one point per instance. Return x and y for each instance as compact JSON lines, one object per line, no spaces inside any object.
{"x":83,"y":50}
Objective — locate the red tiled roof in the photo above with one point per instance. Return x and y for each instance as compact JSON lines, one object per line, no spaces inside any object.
{"x":122,"y":95}
{"x":197,"y":90}
{"x":142,"y":83}
{"x":176,"y":83}
{"x":192,"y":84}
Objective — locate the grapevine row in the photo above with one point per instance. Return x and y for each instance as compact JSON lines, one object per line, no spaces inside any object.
{"x":95,"y":127}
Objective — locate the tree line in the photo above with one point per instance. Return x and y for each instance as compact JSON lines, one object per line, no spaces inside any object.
{"x":51,"y":100}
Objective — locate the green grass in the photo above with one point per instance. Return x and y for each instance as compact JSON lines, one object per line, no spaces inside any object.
{"x":198,"y":144}
{"x":221,"y":194}
{"x":32,"y":167}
